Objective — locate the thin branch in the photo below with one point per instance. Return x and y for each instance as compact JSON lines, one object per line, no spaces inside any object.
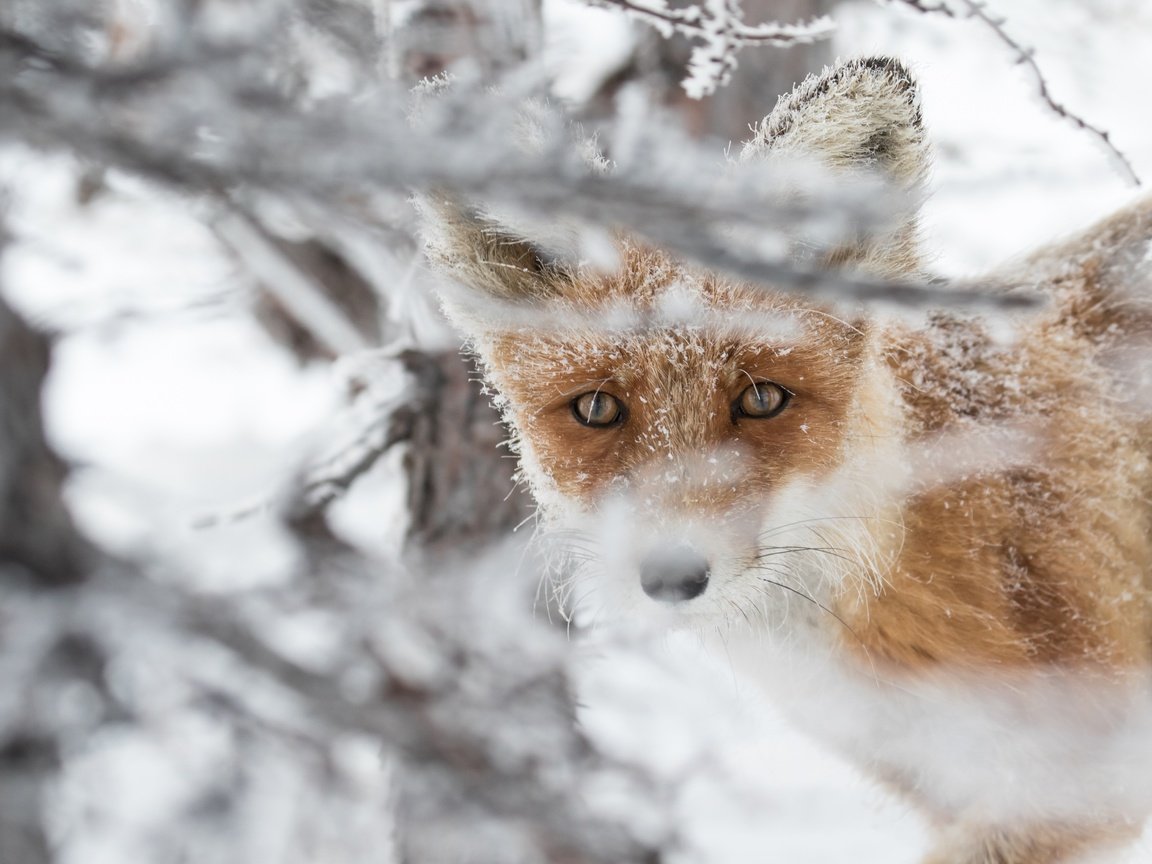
{"x":397,"y":388}
{"x":1026,"y":56}
{"x":719,"y":31}
{"x":696,"y":22}
{"x":387,"y":421}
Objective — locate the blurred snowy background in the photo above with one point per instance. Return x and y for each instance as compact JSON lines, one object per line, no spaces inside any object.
{"x":211,"y":397}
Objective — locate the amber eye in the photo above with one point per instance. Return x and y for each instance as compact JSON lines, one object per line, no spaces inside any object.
{"x":760,"y":400}
{"x":597,"y":409}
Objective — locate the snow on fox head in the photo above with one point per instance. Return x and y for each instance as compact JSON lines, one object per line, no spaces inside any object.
{"x":707,"y":450}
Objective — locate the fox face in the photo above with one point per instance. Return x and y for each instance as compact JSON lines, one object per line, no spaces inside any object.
{"x":679,"y":448}
{"x":699,"y":440}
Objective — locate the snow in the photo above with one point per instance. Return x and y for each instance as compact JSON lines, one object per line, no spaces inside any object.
{"x":173,"y":405}
{"x":750,"y":787}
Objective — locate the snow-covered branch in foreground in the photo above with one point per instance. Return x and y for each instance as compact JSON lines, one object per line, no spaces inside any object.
{"x":281,"y":699}
{"x":1026,"y":57}
{"x":719,"y":28}
{"x":344,"y":153}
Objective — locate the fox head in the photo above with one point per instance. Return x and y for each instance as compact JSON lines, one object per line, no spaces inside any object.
{"x":699,"y":443}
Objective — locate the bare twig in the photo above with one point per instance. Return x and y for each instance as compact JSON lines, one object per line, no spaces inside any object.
{"x":1026,"y":56}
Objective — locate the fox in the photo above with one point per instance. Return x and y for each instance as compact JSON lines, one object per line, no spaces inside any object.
{"x":928,"y":540}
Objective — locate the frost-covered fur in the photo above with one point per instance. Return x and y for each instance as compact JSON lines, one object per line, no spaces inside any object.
{"x":937,"y":555}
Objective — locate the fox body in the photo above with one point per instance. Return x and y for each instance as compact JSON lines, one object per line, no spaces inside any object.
{"x":930,"y":540}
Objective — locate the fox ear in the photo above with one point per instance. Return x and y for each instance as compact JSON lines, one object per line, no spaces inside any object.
{"x":487,"y":254}
{"x":859,"y":117}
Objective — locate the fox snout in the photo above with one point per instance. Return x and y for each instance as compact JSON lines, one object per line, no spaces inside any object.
{"x":674,"y":575}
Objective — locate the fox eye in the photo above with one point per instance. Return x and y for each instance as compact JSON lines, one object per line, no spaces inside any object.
{"x":760,"y":400}
{"x":598,"y":409}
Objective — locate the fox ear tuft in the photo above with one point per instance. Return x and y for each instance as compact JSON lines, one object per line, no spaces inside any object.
{"x":862,"y":115}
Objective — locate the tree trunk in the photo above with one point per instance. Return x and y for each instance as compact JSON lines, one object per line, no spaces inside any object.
{"x":461,"y":494}
{"x":37,"y":540}
{"x":39,"y":550}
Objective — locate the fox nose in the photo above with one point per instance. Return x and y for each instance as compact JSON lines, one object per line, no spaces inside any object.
{"x":674,"y":575}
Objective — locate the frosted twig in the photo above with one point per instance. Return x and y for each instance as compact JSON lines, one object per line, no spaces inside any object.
{"x":397,"y":387}
{"x":1026,"y":56}
{"x":254,"y":137}
{"x":719,"y":29}
{"x":697,"y":22}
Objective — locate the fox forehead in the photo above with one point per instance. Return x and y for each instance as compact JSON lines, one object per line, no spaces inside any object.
{"x":676,"y":384}
{"x":655,"y":323}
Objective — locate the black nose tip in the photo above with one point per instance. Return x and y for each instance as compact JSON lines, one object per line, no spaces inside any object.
{"x":674,"y":575}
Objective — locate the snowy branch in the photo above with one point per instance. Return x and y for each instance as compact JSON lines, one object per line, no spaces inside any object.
{"x":394,"y":391}
{"x":704,"y":21}
{"x":484,"y":767}
{"x":498,"y":756}
{"x":388,"y":393}
{"x":1026,"y":57}
{"x":719,"y":28}
{"x":679,"y":196}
